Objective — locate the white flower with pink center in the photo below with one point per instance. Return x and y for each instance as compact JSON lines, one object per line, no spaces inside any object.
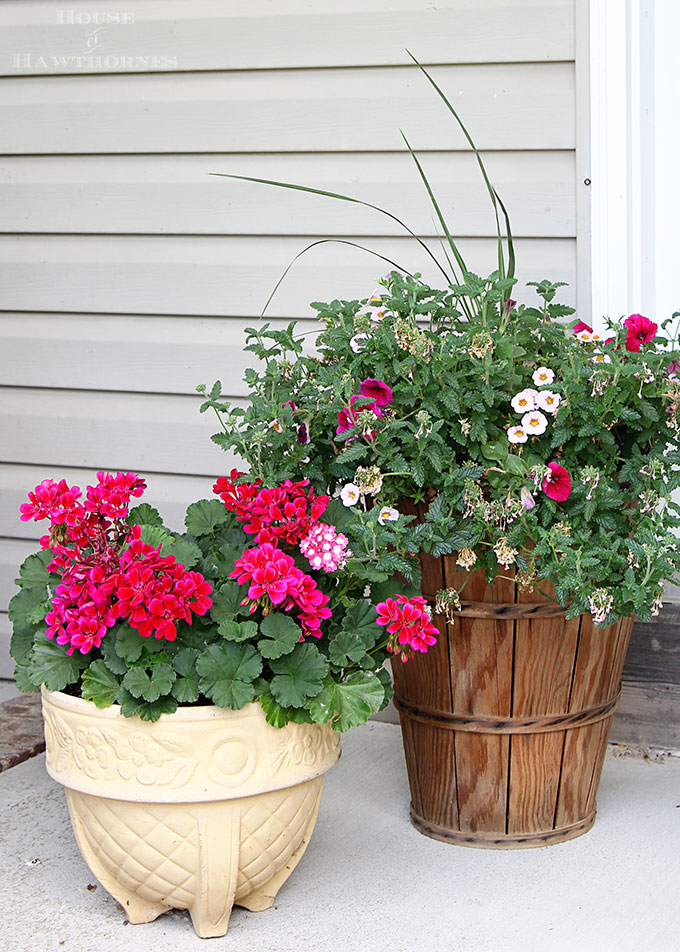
{"x":548,"y":401}
{"x":534,"y":423}
{"x":325,"y":548}
{"x":516,"y":434}
{"x":543,"y":376}
{"x":525,"y":400}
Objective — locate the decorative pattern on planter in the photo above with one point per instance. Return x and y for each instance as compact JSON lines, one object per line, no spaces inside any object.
{"x":221,"y":815}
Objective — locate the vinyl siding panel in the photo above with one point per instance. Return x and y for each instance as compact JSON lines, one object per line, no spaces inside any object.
{"x":214,"y":35}
{"x":128,"y":273}
{"x":289,"y":111}
{"x":177,"y":194}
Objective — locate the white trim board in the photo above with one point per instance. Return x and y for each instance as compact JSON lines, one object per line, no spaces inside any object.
{"x":635,"y":138}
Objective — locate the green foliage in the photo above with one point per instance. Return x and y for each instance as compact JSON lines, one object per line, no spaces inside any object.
{"x":227,"y":672}
{"x":100,"y":684}
{"x":298,"y":675}
{"x":205,"y":516}
{"x":350,"y":702}
{"x":52,"y":666}
{"x":149,"y":684}
{"x":281,"y":633}
{"x":144,"y":515}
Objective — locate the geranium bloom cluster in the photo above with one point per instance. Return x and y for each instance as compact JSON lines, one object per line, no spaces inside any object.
{"x":363,"y":406}
{"x":154,"y":592}
{"x":326,"y":548}
{"x":273,"y":579}
{"x":107,"y":572}
{"x":408,"y":624}
{"x":285,"y":512}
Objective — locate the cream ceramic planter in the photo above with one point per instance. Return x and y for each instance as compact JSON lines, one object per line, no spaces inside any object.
{"x":201,"y":810}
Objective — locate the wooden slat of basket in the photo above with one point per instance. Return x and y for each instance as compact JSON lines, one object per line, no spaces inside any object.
{"x":544,"y":662}
{"x":481,"y":677}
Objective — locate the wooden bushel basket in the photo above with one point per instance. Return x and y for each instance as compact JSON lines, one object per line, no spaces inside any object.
{"x":505,"y":720}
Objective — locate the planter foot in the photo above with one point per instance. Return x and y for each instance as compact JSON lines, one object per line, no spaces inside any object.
{"x":219,"y":844}
{"x":139,"y":910}
{"x":261,"y":899}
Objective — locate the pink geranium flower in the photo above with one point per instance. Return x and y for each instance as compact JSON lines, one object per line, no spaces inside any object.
{"x":408,"y":624}
{"x":272,"y":576}
{"x":377,"y":390}
{"x":557,"y":485}
{"x":640,"y":331}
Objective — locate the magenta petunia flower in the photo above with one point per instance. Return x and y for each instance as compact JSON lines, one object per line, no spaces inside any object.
{"x":558,"y":484}
{"x":347,"y":417}
{"x":377,"y":390}
{"x":640,"y":330}
{"x":581,"y":326}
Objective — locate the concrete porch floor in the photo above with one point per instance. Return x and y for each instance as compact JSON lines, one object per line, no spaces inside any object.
{"x":369,"y":882}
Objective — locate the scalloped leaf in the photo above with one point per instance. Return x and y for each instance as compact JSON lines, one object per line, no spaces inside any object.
{"x":204,"y":516}
{"x":281,"y":633}
{"x":100,"y":685}
{"x":298,"y":675}
{"x":226,"y":673}
{"x":350,"y":703}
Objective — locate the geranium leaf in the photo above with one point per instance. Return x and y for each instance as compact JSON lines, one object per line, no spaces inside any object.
{"x":298,"y":675}
{"x":346,"y":646}
{"x":23,"y":604}
{"x":33,"y":572}
{"x":144,"y":515}
{"x":155,"y":535}
{"x":184,"y":551}
{"x":52,"y":666}
{"x":185,"y":688}
{"x":281,"y":635}
{"x":226,"y":673}
{"x":146,"y":710}
{"x":100,"y":685}
{"x":23,"y":680}
{"x":129,"y":643}
{"x":204,"y":516}
{"x":360,"y":619}
{"x":112,"y":659}
{"x":149,"y":687}
{"x":237,"y":630}
{"x":350,"y":703}
{"x":227,"y":602}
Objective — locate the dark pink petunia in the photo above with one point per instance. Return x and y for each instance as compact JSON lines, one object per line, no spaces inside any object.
{"x":581,"y":326}
{"x":377,"y":390}
{"x":640,"y":330}
{"x":347,"y":417}
{"x":558,"y":484}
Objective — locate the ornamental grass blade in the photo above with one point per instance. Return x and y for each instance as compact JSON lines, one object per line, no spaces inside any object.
{"x":442,"y":221}
{"x":341,"y":198}
{"x":495,"y":200}
{"x":323,"y":241}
